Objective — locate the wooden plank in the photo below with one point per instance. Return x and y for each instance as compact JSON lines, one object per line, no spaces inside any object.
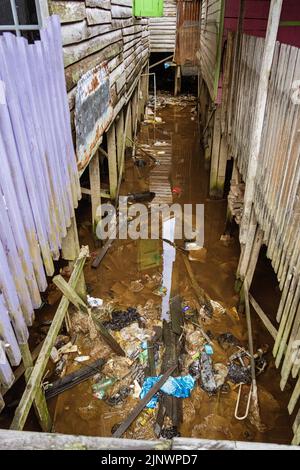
{"x":41,"y":363}
{"x":95,"y":16}
{"x":271,"y":329}
{"x":137,"y":410}
{"x":105,"y":4}
{"x":76,"y":52}
{"x":95,"y":184}
{"x":70,"y":293}
{"x":74,"y":298}
{"x":67,"y":11}
{"x":39,"y":402}
{"x":108,"y":338}
{"x":27,"y":440}
{"x":75,"y":71}
{"x":112,"y":161}
{"x":73,"y":379}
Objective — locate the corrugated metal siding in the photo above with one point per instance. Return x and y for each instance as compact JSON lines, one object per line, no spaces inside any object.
{"x":163,"y":30}
{"x":212,"y":23}
{"x":188,"y":32}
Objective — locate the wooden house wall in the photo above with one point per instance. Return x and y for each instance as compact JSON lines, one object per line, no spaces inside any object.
{"x":211,"y":29}
{"x":256,"y":19}
{"x":102,"y":30}
{"x":163,"y":30}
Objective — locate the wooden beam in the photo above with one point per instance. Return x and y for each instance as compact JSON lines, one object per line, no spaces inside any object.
{"x":137,"y":410}
{"x":119,"y":136}
{"x":268,"y":324}
{"x":94,"y":172}
{"x":70,"y":293}
{"x":21,"y":369}
{"x":108,"y":338}
{"x":214,"y":190}
{"x":70,"y":251}
{"x":40,"y":405}
{"x":36,"y":376}
{"x":27,"y":440}
{"x":74,"y":298}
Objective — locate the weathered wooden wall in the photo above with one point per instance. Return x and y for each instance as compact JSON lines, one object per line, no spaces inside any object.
{"x":163,"y":30}
{"x":212,"y":23}
{"x":188,"y":33}
{"x":276,"y":201}
{"x":95,"y":31}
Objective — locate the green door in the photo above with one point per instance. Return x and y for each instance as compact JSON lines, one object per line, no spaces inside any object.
{"x":148,"y":8}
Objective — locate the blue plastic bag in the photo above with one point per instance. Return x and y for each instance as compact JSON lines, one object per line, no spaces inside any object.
{"x":179,"y":387}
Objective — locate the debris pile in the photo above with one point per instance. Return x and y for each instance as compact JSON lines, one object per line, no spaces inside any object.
{"x":236,"y":201}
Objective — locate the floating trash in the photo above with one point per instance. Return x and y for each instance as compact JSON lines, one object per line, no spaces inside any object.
{"x":179,"y":387}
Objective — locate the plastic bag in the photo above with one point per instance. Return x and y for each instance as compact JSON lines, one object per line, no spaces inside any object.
{"x":179,"y":387}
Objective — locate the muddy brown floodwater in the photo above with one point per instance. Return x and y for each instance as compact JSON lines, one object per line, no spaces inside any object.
{"x":121,"y":281}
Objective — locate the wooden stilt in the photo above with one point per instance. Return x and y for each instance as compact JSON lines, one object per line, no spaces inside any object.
{"x":214,"y":191}
{"x":119,"y":136}
{"x":249,"y":261}
{"x":112,"y":160}
{"x":177,"y":88}
{"x":94,"y":172}
{"x":70,"y":252}
{"x":129,"y":127}
{"x":257,"y":244}
{"x":39,"y":403}
{"x":247,"y":249}
{"x":122,"y":165}
{"x":223,"y":158}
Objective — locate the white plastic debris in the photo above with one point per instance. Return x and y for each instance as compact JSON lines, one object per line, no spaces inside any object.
{"x":94,"y":302}
{"x":81,"y":358}
{"x":54,"y":355}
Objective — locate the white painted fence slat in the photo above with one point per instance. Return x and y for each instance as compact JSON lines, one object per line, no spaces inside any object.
{"x":39,"y":181}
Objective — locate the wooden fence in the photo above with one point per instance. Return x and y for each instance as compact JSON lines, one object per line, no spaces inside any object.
{"x":277,"y":182}
{"x":39,"y":184}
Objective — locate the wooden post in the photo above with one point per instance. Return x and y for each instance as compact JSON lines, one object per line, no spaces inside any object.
{"x":94,"y":172}
{"x":36,"y":376}
{"x":129,"y":127}
{"x":39,"y":404}
{"x":70,"y":252}
{"x":223,"y":158}
{"x":236,"y":61}
{"x":119,"y":136}
{"x":214,"y":190}
{"x":177,"y":88}
{"x":112,"y":160}
{"x":249,"y":260}
{"x":259,"y":114}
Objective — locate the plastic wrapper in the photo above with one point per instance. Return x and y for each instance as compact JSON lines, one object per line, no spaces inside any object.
{"x":179,"y":387}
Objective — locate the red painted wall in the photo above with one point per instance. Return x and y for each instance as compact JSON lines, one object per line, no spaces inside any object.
{"x":256,"y":18}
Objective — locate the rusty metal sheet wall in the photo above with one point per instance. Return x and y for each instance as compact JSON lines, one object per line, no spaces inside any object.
{"x":188,"y":32}
{"x":93,"y":112}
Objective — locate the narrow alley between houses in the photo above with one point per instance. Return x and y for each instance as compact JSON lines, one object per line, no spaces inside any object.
{"x":149,"y":225}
